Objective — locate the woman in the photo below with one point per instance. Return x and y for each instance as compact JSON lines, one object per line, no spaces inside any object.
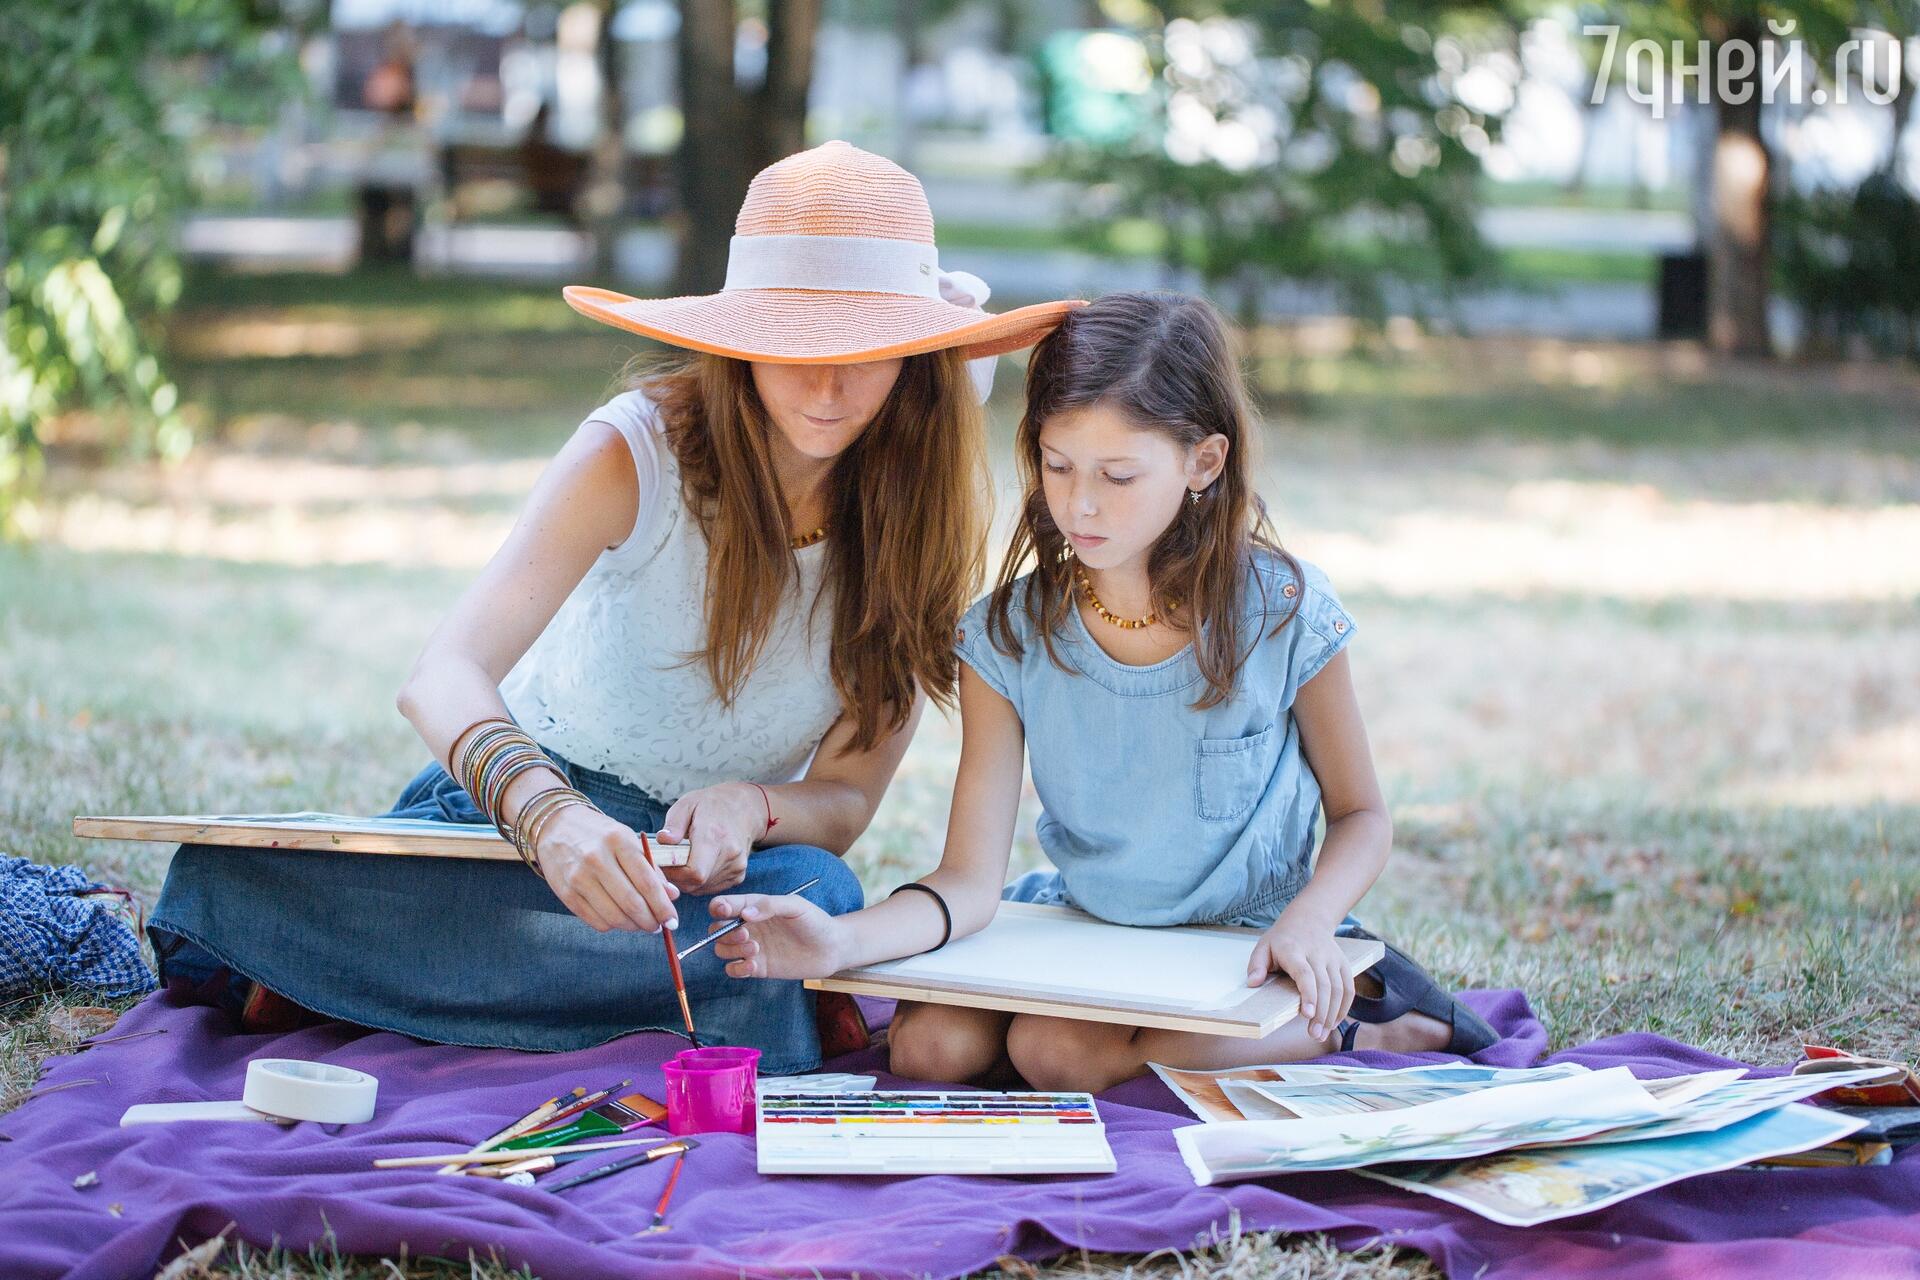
{"x":718,"y":616}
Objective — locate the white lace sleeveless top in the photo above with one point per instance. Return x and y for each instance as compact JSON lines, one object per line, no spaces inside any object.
{"x":606,"y":684}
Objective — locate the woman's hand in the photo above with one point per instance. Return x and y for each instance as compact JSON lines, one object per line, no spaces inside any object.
{"x":596,"y":867}
{"x":721,"y":823}
{"x":780,"y":936}
{"x":1301,"y":945}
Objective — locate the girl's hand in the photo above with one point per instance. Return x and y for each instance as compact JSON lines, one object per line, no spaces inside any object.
{"x":722,"y":823}
{"x":781,"y":936}
{"x":596,"y":867}
{"x":1302,"y":947}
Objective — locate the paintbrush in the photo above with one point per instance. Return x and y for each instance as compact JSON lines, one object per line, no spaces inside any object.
{"x":731,"y":925}
{"x":673,"y":957}
{"x":508,"y":1157}
{"x":533,"y":1164}
{"x":573,"y":1109}
{"x":659,"y":1222}
{"x":536,"y":1163}
{"x":678,"y":1147}
{"x":532,"y":1120}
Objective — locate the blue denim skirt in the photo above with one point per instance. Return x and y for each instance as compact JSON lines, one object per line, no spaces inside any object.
{"x":472,"y":952}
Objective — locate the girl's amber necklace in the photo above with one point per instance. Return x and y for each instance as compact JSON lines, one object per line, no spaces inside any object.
{"x":1125,"y":624}
{"x":807,"y":539}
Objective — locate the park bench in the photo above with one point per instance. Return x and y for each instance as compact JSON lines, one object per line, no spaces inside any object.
{"x":551,"y":177}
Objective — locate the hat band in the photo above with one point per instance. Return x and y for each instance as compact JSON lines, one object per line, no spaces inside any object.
{"x":837,"y":264}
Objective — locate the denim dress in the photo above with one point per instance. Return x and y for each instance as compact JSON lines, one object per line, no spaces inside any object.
{"x":1154,"y":813}
{"x":479,"y":952}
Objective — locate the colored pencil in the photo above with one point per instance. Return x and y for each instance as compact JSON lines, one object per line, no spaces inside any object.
{"x":673,"y":958}
{"x":731,"y":925}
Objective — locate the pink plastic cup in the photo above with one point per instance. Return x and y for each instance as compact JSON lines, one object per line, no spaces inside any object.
{"x":711,"y":1090}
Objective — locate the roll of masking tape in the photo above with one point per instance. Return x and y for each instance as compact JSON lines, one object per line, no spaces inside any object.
{"x":309,"y":1091}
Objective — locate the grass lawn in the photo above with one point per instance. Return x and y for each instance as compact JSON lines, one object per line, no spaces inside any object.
{"x":1639,"y":650}
{"x":1141,"y":238}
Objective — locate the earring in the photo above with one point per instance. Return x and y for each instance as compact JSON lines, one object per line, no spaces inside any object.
{"x":1193,"y":496}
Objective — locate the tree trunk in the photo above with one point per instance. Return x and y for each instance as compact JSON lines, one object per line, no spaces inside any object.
{"x":906,"y":30}
{"x":1902,"y":107}
{"x":732,"y":132}
{"x":1737,"y":233}
{"x":782,"y":100}
{"x":714,"y":162}
{"x":6,"y":297}
{"x":603,"y":202}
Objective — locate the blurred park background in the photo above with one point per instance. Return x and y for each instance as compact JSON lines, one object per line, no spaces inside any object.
{"x":1592,"y":381}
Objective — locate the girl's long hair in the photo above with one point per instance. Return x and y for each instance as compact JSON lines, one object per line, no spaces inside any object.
{"x":905,"y":530}
{"x":1166,"y":362}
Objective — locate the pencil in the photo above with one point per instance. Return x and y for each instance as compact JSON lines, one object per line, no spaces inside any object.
{"x":731,"y":925}
{"x":673,"y":958}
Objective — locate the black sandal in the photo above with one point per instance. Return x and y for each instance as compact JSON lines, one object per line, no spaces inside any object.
{"x":1406,"y":987}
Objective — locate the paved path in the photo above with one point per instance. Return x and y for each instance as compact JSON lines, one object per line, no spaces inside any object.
{"x":1597,"y":310}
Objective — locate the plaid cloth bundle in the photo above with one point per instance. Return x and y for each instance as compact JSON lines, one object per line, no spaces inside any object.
{"x":58,"y":928}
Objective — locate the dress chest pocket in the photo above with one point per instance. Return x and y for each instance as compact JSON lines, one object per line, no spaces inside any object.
{"x":1229,"y":774}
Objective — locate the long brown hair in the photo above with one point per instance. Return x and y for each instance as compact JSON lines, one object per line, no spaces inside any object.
{"x":905,"y":530}
{"x":1166,"y":362}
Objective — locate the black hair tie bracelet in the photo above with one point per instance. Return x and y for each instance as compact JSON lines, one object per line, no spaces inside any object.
{"x":944,"y":911}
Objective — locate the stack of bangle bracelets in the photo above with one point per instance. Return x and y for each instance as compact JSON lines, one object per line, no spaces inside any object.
{"x":497,"y":752}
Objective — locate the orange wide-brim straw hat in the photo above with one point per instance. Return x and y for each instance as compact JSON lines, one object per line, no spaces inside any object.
{"x":832,"y":262}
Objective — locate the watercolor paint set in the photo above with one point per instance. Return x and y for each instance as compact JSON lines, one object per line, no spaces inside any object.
{"x":912,"y":1131}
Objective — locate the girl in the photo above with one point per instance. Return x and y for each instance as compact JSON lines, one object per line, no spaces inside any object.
{"x":718,"y":617}
{"x":1180,"y":684}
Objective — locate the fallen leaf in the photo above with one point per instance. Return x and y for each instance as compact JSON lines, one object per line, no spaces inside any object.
{"x":81,"y":1021}
{"x":195,"y":1260}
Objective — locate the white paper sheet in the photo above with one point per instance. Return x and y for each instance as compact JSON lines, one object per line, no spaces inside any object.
{"x":1204,"y":1092}
{"x":1540,"y":1184}
{"x":1727,"y":1101}
{"x":1473,"y":1124}
{"x":1184,"y":968}
{"x":1384,"y":1091}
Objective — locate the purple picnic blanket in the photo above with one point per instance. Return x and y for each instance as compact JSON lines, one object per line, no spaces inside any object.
{"x":160,"y":1186}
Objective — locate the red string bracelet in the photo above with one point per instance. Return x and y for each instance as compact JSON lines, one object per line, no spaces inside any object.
{"x":772,"y":821}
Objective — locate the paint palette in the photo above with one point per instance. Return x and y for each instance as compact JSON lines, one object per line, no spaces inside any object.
{"x":941,"y":1131}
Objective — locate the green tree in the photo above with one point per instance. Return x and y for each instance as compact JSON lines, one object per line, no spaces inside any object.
{"x":1723,"y":48}
{"x":1319,"y":143}
{"x":95,"y":99}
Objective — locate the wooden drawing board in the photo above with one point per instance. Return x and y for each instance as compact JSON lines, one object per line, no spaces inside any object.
{"x":1066,"y":964}
{"x":417,"y":837}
